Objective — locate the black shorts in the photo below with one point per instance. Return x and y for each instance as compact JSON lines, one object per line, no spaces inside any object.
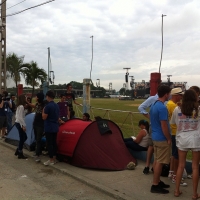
{"x":3,"y":122}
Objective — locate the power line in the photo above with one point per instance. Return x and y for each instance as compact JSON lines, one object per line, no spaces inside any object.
{"x":3,"y":2}
{"x":15,"y":5}
{"x":29,"y":8}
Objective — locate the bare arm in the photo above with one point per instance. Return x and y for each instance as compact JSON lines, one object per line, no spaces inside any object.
{"x":30,"y":104}
{"x":1,"y":104}
{"x":76,"y":103}
{"x":140,"y":136}
{"x":68,"y":112}
{"x":165,"y":130}
{"x":44,"y":116}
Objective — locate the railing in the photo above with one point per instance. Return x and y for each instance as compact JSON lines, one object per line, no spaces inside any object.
{"x":126,"y":120}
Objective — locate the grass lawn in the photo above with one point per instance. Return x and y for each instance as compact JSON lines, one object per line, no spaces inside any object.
{"x":127,"y":121}
{"x":113,"y":110}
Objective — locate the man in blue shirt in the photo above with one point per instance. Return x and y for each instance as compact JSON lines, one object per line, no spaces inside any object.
{"x":50,"y":115}
{"x":161,"y":138}
{"x":142,"y":108}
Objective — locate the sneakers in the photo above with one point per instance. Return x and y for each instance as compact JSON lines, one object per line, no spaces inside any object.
{"x":131,"y":166}
{"x":158,"y":189}
{"x":182,"y":182}
{"x":170,"y":174}
{"x":48,"y":162}
{"x":37,"y":159}
{"x":163,"y":185}
{"x":189,"y":176}
{"x":146,"y":170}
{"x":34,"y":155}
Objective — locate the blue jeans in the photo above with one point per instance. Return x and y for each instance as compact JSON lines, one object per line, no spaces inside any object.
{"x":133,"y":145}
{"x":9,"y":116}
{"x":22,"y":136}
{"x":38,"y":130}
{"x":51,"y":144}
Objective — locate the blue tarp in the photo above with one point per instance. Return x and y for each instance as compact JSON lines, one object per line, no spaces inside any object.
{"x":13,"y":136}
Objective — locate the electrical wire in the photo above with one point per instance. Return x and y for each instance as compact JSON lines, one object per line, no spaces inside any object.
{"x":29,"y":8}
{"x":15,"y":5}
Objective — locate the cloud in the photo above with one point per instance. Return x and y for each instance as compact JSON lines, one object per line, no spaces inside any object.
{"x":126,"y":34}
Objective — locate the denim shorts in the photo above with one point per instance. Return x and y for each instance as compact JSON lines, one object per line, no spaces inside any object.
{"x":174,"y":147}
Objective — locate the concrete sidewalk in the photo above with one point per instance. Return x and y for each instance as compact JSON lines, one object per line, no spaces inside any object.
{"x":127,"y":184}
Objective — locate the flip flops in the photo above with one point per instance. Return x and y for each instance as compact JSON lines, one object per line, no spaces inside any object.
{"x":177,"y":194}
{"x":197,"y":196}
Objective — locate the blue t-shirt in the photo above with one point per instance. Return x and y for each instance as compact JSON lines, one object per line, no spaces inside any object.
{"x":51,"y":123}
{"x":158,"y":113}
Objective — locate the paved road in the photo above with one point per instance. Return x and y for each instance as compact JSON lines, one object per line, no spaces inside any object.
{"x":25,"y":179}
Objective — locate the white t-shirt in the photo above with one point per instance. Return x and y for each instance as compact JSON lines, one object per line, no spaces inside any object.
{"x":188,"y":130}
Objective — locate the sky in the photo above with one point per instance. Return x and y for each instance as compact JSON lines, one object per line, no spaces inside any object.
{"x":126,"y":34}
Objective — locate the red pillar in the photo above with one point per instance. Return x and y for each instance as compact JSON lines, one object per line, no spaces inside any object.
{"x":20,"y":89}
{"x":155,"y":80}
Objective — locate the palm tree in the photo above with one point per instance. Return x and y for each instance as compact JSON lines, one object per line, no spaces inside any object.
{"x":15,"y":67}
{"x":33,"y":75}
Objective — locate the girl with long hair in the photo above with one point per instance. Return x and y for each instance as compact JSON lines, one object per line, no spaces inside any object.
{"x":141,"y":142}
{"x":21,"y":126}
{"x":187,"y":138}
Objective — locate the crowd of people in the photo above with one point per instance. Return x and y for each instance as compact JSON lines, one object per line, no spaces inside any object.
{"x":174,"y":130}
{"x":49,"y":115}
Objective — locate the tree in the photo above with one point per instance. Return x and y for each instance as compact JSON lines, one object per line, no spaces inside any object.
{"x":15,"y":67}
{"x":33,"y":74}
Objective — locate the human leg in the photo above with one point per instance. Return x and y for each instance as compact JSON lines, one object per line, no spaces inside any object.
{"x":161,"y":156}
{"x":51,"y":143}
{"x":181,"y":165}
{"x":38,"y":137}
{"x":195,"y":171}
{"x":22,"y":139}
{"x":9,"y":121}
{"x":133,"y":145}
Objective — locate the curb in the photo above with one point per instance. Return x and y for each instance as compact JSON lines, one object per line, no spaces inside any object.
{"x":77,"y":176}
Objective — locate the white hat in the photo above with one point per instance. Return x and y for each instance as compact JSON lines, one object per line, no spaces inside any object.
{"x":177,"y":91}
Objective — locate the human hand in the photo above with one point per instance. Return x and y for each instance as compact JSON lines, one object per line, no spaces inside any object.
{"x":24,"y":128}
{"x":169,"y":142}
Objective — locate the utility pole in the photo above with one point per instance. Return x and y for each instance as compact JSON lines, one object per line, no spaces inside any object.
{"x":3,"y":46}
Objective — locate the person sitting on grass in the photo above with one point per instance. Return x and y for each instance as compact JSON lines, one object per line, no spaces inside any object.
{"x":141,"y":142}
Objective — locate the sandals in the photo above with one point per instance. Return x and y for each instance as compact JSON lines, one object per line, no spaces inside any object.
{"x":177,"y":194}
{"x":195,"y":197}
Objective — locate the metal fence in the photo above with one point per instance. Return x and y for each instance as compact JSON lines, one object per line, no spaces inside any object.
{"x":126,"y":120}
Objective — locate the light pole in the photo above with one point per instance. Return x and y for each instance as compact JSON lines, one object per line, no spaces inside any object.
{"x":98,"y":82}
{"x":132,"y":84}
{"x":162,"y":42}
{"x":168,"y":79}
{"x":185,"y":84}
{"x":126,"y":77}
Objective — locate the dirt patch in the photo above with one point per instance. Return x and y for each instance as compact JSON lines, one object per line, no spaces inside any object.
{"x":133,"y":104}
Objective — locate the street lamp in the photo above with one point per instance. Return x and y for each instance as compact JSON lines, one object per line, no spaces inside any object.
{"x":98,"y":82}
{"x":162,"y":42}
{"x":168,"y":79}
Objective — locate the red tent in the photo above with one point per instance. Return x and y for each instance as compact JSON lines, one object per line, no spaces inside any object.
{"x":97,"y":144}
